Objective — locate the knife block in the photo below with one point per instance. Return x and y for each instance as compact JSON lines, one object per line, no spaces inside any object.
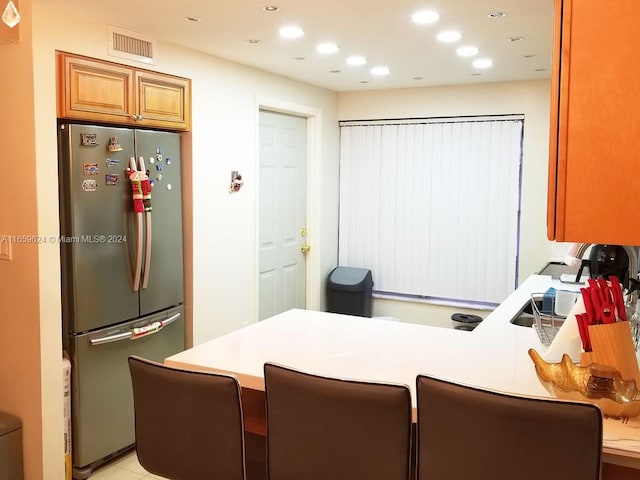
{"x":612,"y":345}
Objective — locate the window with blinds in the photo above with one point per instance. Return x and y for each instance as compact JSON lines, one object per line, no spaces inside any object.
{"x":431,"y":206}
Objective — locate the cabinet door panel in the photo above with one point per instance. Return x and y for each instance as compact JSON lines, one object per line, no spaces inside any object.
{"x":95,"y":90}
{"x":163,"y":101}
{"x":598,"y":140}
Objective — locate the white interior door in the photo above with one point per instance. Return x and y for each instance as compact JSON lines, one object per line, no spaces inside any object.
{"x":282,"y":211}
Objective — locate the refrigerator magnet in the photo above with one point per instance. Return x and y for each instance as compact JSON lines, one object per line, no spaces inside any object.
{"x":89,"y":185}
{"x":88,"y":139}
{"x":89,"y":169}
{"x":112,"y":179}
{"x":113,"y":162}
{"x":114,"y":145}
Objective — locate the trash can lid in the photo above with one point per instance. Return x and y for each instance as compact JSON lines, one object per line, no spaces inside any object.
{"x":9,"y":423}
{"x":349,"y":278}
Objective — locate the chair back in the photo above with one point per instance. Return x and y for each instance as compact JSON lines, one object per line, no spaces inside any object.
{"x":466,"y":433}
{"x":188,"y":425}
{"x":322,"y":428}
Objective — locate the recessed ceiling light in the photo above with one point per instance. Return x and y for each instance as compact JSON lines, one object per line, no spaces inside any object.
{"x":193,"y":19}
{"x":291,"y":31}
{"x":540,"y":69}
{"x":363,"y":81}
{"x":356,"y":60}
{"x":423,"y":17}
{"x":380,"y":71}
{"x":327,"y":47}
{"x":270,"y":8}
{"x":334,"y":71}
{"x":418,"y":78}
{"x":530,"y":55}
{"x":497,"y":15}
{"x":516,"y":38}
{"x":298,"y":58}
{"x":467,"y":51}
{"x":254,"y":41}
{"x":476,"y":74}
{"x":449,"y":36}
{"x":483,"y":63}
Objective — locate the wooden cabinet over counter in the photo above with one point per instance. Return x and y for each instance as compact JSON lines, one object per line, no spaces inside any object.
{"x":100,"y":91}
{"x":594,"y":174}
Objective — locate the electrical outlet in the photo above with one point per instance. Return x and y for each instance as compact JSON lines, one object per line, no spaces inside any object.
{"x":5,"y":247}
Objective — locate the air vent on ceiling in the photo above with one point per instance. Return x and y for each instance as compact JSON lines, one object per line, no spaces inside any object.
{"x":131,"y":45}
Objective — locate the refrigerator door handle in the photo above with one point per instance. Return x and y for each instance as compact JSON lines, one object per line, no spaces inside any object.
{"x":147,"y":251}
{"x":138,"y":265}
{"x":137,"y":201}
{"x":137,"y":332}
{"x":110,"y":338}
{"x":147,"y":208}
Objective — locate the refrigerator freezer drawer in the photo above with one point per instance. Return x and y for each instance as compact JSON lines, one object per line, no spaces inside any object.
{"x":102,"y":401}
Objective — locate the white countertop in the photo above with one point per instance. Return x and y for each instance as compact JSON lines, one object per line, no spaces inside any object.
{"x":493,"y":355}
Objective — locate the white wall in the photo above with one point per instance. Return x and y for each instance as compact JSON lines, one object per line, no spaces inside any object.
{"x":530,"y":98}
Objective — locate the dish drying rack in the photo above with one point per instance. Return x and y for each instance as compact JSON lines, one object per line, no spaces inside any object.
{"x":547,"y":323}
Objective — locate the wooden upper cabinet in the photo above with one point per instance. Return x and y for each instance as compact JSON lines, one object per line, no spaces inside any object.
{"x":594,"y":174}
{"x":94,"y":90}
{"x":106,"y":92}
{"x":163,"y":100}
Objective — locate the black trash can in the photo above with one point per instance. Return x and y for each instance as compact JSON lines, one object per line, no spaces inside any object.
{"x":10,"y":447}
{"x":349,"y":291}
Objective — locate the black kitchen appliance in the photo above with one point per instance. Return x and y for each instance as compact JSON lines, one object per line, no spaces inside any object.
{"x":606,"y":260}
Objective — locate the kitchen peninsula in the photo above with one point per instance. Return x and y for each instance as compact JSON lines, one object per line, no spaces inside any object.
{"x":493,"y":356}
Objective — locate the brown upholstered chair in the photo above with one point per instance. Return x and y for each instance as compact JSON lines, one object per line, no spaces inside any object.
{"x":321,"y":428}
{"x":188,"y":425}
{"x":465,"y":433}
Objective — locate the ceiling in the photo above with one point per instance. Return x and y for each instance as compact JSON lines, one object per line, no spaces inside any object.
{"x":380,"y":30}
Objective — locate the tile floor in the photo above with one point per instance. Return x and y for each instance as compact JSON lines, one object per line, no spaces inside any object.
{"x":125,"y":467}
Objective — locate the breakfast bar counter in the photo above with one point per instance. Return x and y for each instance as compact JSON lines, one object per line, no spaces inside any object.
{"x":493,"y":356}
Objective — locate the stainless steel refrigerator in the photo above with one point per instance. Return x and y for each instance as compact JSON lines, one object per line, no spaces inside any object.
{"x":122,"y":274}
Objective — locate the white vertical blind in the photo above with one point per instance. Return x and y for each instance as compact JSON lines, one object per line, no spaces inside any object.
{"x":432,"y":206}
